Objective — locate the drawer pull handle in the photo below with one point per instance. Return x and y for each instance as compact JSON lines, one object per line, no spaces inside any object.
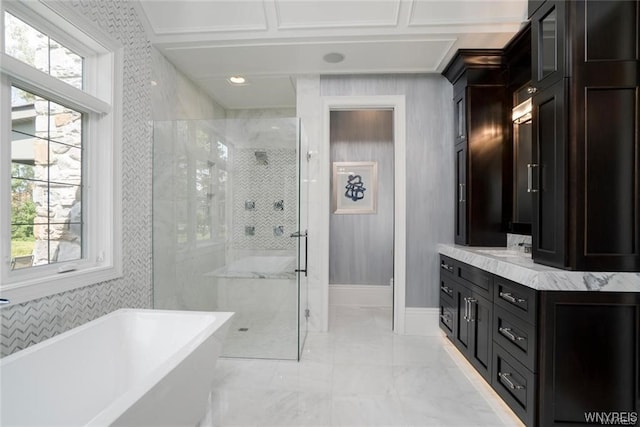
{"x":446,"y":289}
{"x":513,"y":386}
{"x":507,"y":333}
{"x":446,"y":266}
{"x":507,"y":296}
{"x":446,"y":318}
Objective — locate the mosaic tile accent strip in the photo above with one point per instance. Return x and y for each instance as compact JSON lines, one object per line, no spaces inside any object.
{"x":271,"y":184}
{"x":34,"y":321}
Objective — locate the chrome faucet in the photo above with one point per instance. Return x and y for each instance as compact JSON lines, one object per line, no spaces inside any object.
{"x":526,"y":247}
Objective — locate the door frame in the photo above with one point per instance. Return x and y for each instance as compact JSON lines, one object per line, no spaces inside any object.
{"x":397,"y":104}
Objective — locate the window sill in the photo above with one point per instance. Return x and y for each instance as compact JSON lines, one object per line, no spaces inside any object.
{"x":21,"y":292}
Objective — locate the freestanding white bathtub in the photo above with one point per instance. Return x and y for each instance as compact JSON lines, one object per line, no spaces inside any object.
{"x":128,"y":368}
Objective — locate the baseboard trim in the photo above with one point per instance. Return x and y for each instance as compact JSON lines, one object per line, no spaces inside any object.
{"x":422,"y":321}
{"x":361,"y":295}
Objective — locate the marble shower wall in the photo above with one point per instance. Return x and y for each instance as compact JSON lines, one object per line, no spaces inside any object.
{"x":181,"y":144}
{"x":175,"y":97}
{"x":264,"y":179}
{"x":34,"y":321}
{"x":264,"y":199}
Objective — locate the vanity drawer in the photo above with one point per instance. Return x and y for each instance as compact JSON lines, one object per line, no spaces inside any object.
{"x":447,"y":288}
{"x":515,"y":384}
{"x":516,"y":299}
{"x":447,"y":316}
{"x":476,"y":279}
{"x":446,"y":266}
{"x":516,"y":336}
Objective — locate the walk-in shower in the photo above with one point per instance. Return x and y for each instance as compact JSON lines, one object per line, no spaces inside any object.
{"x":226,"y":226}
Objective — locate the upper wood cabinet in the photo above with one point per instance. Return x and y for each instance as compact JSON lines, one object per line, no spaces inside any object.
{"x":480,"y":140}
{"x":549,"y":186}
{"x":548,"y":44}
{"x":518,"y":59}
{"x":586,"y":135}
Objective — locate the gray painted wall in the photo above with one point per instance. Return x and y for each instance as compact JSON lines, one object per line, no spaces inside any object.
{"x":361,"y":246}
{"x":429,"y":137}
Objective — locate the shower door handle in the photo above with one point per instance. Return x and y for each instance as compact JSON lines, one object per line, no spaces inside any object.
{"x":298,"y":235}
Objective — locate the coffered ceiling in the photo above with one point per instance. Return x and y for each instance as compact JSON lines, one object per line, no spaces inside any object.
{"x":269,"y":42}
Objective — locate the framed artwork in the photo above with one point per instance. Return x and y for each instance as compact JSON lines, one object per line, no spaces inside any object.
{"x":355,"y":187}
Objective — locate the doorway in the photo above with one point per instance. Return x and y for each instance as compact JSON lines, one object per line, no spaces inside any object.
{"x":362,"y":209}
{"x":396,"y":104}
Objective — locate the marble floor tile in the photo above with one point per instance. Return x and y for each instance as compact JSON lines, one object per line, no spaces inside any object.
{"x":355,"y":378}
{"x":357,"y":374}
{"x":304,"y":376}
{"x":366,"y":410}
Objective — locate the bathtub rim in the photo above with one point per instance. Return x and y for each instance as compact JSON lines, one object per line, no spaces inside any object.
{"x":119,"y":405}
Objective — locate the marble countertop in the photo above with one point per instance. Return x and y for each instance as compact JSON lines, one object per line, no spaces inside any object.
{"x":519,"y":267}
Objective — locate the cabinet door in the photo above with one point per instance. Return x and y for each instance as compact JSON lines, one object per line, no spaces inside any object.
{"x":473,"y":329}
{"x":480,"y":321}
{"x":549,"y":175}
{"x":461,"y":194}
{"x":460,"y":117}
{"x":606,"y":157}
{"x":548,"y":44}
{"x":589,"y":356}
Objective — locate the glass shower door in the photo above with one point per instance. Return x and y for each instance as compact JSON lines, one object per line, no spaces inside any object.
{"x":226,"y":204}
{"x":303,"y":244}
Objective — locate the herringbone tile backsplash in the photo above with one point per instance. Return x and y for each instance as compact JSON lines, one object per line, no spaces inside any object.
{"x":34,"y":321}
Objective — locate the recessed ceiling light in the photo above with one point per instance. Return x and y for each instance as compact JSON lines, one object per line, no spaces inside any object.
{"x":237,"y":80}
{"x":333,"y":57}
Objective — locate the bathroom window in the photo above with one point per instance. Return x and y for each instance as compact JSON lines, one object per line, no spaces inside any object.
{"x":46,"y":181}
{"x":59,"y":153}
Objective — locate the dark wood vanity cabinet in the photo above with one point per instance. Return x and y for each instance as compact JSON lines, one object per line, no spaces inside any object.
{"x":515,"y":352}
{"x":589,"y":357}
{"x":466,"y":312}
{"x":552,"y":356}
{"x":586,"y":127}
{"x":480,"y":118}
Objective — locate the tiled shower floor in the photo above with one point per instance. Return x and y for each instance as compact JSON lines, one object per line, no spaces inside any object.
{"x":358,"y":374}
{"x":267,"y":336}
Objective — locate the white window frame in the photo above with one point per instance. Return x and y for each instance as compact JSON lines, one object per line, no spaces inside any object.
{"x":101,"y":99}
